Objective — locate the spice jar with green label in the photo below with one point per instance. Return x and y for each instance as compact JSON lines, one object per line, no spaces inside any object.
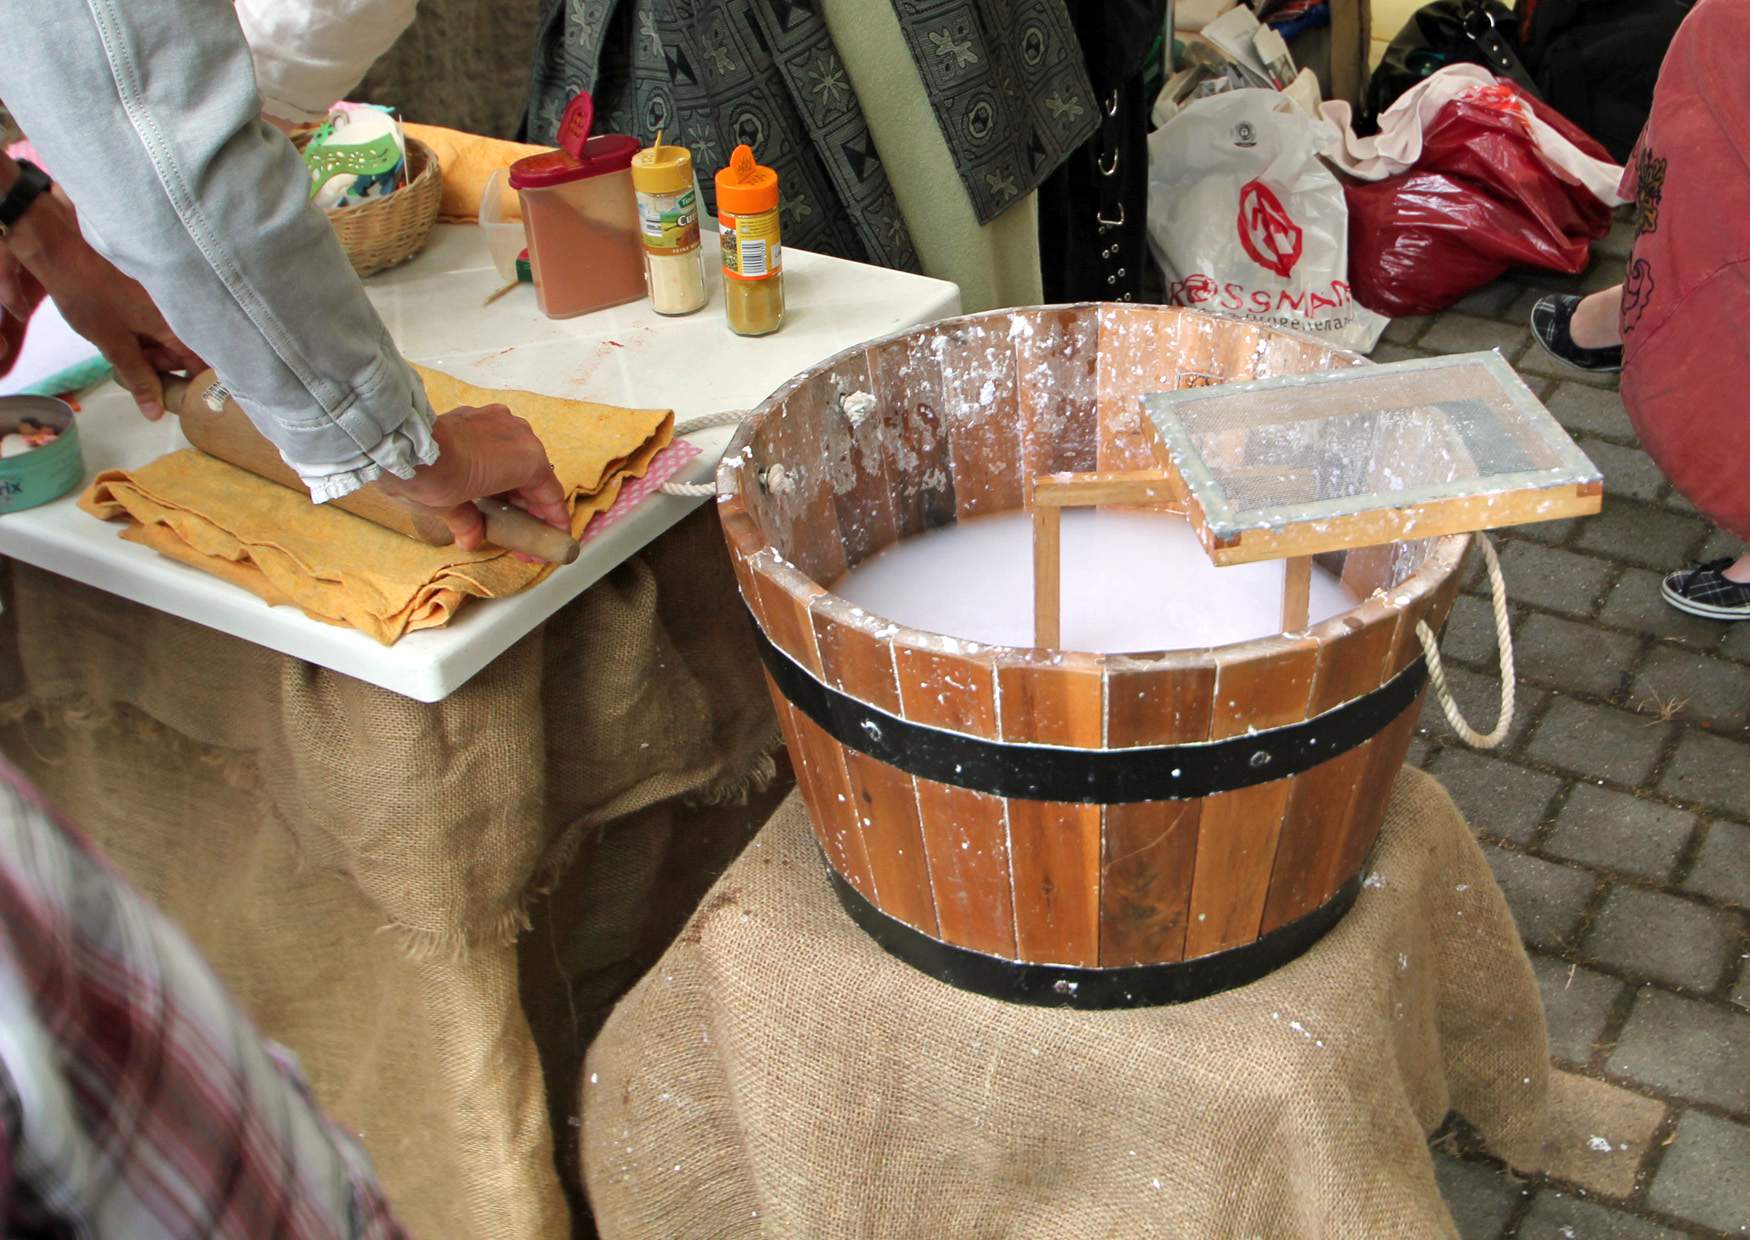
{"x":753,"y":258}
{"x":668,"y":219}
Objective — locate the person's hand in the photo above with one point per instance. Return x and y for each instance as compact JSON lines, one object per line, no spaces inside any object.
{"x":19,"y":296}
{"x":97,"y":301}
{"x":481,"y":452}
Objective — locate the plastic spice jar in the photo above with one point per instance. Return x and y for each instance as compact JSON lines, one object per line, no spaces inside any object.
{"x":668,"y":214}
{"x":581,"y":218}
{"x":753,"y":259}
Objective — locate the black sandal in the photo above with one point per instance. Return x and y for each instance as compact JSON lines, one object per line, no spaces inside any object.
{"x":1549,"y":323}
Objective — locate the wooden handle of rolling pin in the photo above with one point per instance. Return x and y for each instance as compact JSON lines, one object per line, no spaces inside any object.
{"x":507,"y":526}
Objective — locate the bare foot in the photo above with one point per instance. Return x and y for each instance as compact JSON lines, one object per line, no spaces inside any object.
{"x":1739,"y":571}
{"x":1597,"y":321}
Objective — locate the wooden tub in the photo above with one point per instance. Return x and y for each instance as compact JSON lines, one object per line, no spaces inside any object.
{"x":1054,"y":826}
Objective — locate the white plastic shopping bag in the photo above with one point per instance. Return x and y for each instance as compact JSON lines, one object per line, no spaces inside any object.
{"x":1247,"y":221}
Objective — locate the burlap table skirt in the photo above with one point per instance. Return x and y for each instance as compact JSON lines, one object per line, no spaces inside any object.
{"x":362,"y":869}
{"x":778,"y":1074}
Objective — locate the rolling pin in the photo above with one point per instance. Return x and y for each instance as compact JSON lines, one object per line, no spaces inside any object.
{"x":227,"y":434}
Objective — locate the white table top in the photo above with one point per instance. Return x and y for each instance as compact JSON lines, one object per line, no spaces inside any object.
{"x":624,"y":356}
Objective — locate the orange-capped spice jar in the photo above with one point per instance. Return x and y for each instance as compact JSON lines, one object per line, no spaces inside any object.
{"x":753,"y":257}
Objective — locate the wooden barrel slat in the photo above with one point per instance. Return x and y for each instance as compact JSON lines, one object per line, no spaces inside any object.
{"x":855,"y":661}
{"x":978,"y":399}
{"x":966,"y":833}
{"x":825,"y":785}
{"x":785,"y":615}
{"x":1151,"y":847}
{"x":1136,"y":356}
{"x":1353,"y":650}
{"x":1056,"y":356}
{"x":965,"y":413}
{"x":1055,"y":857}
{"x":1258,"y":686}
{"x":805,"y":522}
{"x":1054,"y":848}
{"x":857,"y":460}
{"x":1428,"y":602}
{"x":920,"y":461}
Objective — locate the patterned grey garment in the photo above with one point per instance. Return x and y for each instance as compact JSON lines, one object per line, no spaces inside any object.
{"x":716,"y":73}
{"x":1009,"y":87}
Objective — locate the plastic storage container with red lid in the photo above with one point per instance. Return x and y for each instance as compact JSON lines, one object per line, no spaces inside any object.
{"x":581,"y":217}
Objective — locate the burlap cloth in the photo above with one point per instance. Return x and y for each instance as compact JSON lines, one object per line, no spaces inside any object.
{"x":778,"y":1074}
{"x":361,"y":867}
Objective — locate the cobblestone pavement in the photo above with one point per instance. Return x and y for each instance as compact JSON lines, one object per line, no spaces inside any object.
{"x":1616,"y":817}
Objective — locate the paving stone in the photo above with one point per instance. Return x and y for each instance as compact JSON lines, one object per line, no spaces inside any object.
{"x":1478,"y":695}
{"x":1636,"y":604}
{"x":1546,"y":898}
{"x":1735,"y":641}
{"x":1584,"y":1115}
{"x":1604,"y":273}
{"x":1722,"y":867}
{"x":1497,"y":797}
{"x":1619,"y":832}
{"x":1520,"y":309}
{"x":1712,"y":692}
{"x":1664,"y":938}
{"x":1563,"y":1216}
{"x":1551,"y":533}
{"x":1407,"y":329}
{"x":1719,"y":545}
{"x":1703,"y":1176}
{"x":1480,"y":1198}
{"x":1574,"y":655}
{"x":1559,"y":580}
{"x":1617,"y":242}
{"x":1600,"y":742}
{"x":1489,"y":301}
{"x":1629,"y":473}
{"x":1386,"y":352}
{"x":1466,"y":333}
{"x":1711,"y":770}
{"x":1685,"y":1048}
{"x":1419,"y":754}
{"x":1640,"y":534}
{"x":1596,"y":410}
{"x":1741,"y":992}
{"x":1469,"y":635}
{"x":1576,"y":1005}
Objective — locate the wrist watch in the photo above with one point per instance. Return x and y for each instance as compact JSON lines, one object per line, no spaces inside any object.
{"x":31,"y":182}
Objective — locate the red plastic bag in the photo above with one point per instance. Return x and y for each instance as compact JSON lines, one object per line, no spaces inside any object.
{"x":1480,"y":199}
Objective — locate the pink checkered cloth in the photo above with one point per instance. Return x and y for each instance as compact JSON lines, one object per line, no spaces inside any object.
{"x":663,"y":466}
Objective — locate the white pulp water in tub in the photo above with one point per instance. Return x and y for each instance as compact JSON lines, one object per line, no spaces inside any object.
{"x":1132,"y":581}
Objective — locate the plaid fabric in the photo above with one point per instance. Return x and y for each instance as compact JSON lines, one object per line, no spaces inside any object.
{"x":135,"y":1099}
{"x":1705,"y":591}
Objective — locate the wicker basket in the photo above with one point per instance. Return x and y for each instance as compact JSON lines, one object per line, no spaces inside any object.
{"x":387,"y":231}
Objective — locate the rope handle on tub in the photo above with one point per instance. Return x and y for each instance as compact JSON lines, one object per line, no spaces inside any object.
{"x":704,"y":422}
{"x":1437,"y":672}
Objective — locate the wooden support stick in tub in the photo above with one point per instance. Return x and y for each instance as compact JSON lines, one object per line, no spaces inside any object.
{"x":1052,"y":493}
{"x":1296,"y":592}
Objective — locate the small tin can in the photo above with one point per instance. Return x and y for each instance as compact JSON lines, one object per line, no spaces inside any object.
{"x":44,"y":473}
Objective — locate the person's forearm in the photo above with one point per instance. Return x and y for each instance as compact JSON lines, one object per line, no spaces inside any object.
{"x":310,"y":53}
{"x":147,"y":114}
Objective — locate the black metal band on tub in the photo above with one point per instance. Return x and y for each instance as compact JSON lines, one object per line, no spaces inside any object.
{"x":1128,"y":986}
{"x":1090,"y":776}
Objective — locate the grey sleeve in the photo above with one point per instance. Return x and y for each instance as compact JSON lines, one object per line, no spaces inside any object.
{"x":146,"y":112}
